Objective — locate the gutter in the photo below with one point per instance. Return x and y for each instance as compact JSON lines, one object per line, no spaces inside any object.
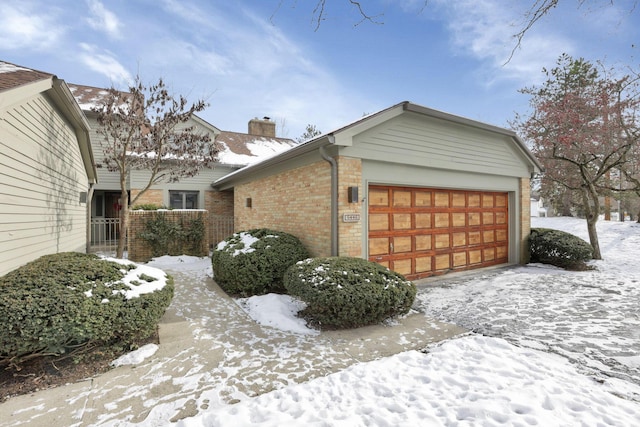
{"x":334,"y":195}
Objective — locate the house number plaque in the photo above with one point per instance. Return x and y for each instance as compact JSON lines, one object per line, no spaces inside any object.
{"x":351,"y":217}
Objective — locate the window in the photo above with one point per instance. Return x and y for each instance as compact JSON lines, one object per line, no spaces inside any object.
{"x":183,"y":199}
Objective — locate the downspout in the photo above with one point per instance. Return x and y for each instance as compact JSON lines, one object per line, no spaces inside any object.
{"x":334,"y":196}
{"x":89,"y":230}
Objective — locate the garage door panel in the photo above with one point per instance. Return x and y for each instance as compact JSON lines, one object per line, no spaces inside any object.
{"x":379,"y":246}
{"x":475,"y":238}
{"x":378,"y":197}
{"x":487,"y":218}
{"x":458,"y":200}
{"x":459,"y":259}
{"x":488,"y":236}
{"x":401,"y":199}
{"x":422,"y":198}
{"x":443,"y":241}
{"x":402,"y":221}
{"x":475,"y":257}
{"x":379,"y":222}
{"x":459,"y":219}
{"x":443,"y":262}
{"x":402,"y":244}
{"x":402,"y":266}
{"x":441,"y":220}
{"x":474,"y":218}
{"x":423,"y":242}
{"x":419,"y":232}
{"x":423,"y":264}
{"x":442,"y":200}
{"x":423,"y":220}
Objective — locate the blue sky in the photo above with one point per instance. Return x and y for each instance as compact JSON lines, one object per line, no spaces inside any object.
{"x":255,"y":58}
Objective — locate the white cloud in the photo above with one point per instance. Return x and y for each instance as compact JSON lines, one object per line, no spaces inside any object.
{"x":106,"y":64}
{"x":102,"y":19}
{"x":484,"y":29}
{"x":22,"y":25}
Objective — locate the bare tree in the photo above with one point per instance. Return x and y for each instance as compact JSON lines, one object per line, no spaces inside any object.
{"x":538,"y":10}
{"x":143,"y":129}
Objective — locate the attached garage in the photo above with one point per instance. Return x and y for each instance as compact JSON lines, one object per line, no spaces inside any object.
{"x":420,"y":191}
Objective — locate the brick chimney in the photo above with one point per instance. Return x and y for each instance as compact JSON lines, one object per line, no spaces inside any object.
{"x":262,"y":127}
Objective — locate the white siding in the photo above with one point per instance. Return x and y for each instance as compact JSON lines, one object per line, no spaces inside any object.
{"x":41,"y":177}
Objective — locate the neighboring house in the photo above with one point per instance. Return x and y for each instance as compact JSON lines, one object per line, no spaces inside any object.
{"x":236,"y":151}
{"x":46,"y":167}
{"x":537,"y":205}
{"x":420,"y":191}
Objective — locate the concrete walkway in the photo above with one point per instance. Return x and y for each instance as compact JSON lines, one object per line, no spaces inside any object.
{"x":212,"y":354}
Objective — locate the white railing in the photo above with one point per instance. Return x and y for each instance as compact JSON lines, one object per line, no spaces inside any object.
{"x":105,"y":233}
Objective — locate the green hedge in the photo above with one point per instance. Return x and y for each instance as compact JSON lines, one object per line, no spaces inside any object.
{"x":167,"y":237}
{"x":559,"y":248}
{"x":344,"y":292}
{"x":68,"y":300}
{"x":253,"y":262}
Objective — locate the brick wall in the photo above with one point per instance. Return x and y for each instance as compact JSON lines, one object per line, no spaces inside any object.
{"x":148,"y":197}
{"x":219,"y":204}
{"x":349,"y":175}
{"x":297,"y":201}
{"x":525,"y":219}
{"x":140,"y":251}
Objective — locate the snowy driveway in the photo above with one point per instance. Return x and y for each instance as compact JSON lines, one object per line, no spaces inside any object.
{"x":592,"y":318}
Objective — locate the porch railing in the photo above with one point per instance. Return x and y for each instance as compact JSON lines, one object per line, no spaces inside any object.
{"x":105,"y":233}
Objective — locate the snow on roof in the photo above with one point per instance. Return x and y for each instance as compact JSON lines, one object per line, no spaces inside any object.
{"x":245,"y":149}
{"x":89,"y":97}
{"x":6,"y":67}
{"x":12,"y":76}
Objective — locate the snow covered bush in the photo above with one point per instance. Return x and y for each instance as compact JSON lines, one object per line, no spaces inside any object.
{"x":559,"y":248}
{"x":69,"y":300}
{"x":344,"y":292}
{"x":253,"y":262}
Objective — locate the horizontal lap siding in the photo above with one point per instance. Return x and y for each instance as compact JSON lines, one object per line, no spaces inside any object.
{"x":41,"y":177}
{"x":436,"y":144}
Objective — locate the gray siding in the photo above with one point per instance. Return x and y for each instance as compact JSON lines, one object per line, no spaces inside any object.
{"x":41,"y":177}
{"x":106,"y":180}
{"x":435,"y":143}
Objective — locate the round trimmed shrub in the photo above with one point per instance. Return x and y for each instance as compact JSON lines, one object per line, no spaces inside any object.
{"x":253,"y":262}
{"x":559,"y":248}
{"x":67,"y":300}
{"x":345,"y":292}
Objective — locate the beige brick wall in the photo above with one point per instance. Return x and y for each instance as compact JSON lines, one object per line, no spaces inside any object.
{"x":525,"y":219}
{"x":219,"y":204}
{"x":148,"y":197}
{"x":297,"y":201}
{"x":349,"y":175}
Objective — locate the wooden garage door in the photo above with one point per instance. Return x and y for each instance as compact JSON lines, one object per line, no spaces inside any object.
{"x":419,"y":232}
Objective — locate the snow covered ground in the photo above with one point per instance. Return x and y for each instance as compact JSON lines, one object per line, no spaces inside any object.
{"x":548,"y":348}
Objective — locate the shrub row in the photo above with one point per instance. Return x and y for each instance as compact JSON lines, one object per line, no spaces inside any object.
{"x":167,"y":237}
{"x":339,"y":292}
{"x":68,"y":300}
{"x":559,"y":248}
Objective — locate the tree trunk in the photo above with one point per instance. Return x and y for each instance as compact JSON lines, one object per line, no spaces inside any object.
{"x":592,"y":212}
{"x":124,"y":219}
